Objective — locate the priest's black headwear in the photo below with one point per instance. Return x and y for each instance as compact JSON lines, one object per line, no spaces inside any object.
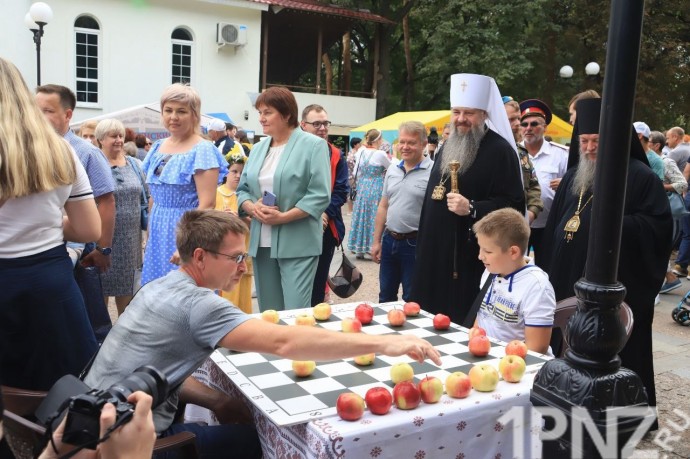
{"x":587,"y":122}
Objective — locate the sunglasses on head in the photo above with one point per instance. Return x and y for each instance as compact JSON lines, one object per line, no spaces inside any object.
{"x":531,"y":124}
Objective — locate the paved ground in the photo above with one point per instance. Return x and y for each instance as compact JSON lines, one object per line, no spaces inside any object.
{"x":671,"y":365}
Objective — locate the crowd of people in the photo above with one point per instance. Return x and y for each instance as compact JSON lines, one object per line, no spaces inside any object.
{"x":476,"y":223}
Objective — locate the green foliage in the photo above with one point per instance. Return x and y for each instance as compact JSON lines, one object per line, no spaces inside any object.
{"x":522,"y":44}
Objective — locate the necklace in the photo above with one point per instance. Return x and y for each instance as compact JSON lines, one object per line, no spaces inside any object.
{"x":573,"y":224}
{"x":440,"y":190}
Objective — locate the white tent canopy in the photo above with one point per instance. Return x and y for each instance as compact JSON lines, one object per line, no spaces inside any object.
{"x":143,"y":119}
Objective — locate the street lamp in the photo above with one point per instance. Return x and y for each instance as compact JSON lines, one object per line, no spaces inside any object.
{"x":591,"y":69}
{"x":38,"y":16}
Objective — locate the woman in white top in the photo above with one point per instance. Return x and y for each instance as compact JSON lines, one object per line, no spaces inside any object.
{"x":292,"y":168}
{"x":370,"y":170}
{"x":44,"y":328}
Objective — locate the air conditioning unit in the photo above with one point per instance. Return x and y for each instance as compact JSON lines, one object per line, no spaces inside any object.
{"x":231,"y":34}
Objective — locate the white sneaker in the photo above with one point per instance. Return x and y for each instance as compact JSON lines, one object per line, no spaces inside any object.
{"x":657,"y":300}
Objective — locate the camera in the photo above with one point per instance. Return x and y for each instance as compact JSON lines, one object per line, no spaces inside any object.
{"x":83,"y":405}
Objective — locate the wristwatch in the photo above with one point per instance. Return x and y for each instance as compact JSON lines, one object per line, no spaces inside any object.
{"x":104,"y":250}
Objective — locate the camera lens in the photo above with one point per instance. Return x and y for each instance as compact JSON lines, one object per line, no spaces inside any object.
{"x":146,"y":379}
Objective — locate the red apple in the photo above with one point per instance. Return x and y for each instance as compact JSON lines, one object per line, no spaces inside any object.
{"x":364,"y":313}
{"x":411,"y":309}
{"x":458,"y":385}
{"x":479,"y":346}
{"x":512,"y":368}
{"x":516,"y":347}
{"x":431,"y":389}
{"x":441,"y":322}
{"x":351,"y":325}
{"x":379,"y":400}
{"x":476,"y":331}
{"x":396,"y":317}
{"x":349,"y":406}
{"x":406,"y":395}
{"x":484,"y":377}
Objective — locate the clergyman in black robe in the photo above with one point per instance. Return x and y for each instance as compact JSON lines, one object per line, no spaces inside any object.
{"x":645,"y":244}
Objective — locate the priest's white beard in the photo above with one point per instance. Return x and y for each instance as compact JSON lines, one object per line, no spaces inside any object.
{"x":584,"y":176}
{"x":462,"y":148}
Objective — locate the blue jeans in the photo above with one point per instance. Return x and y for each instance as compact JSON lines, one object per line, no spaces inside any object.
{"x":226,"y":441}
{"x":683,"y":258}
{"x":397,"y":266}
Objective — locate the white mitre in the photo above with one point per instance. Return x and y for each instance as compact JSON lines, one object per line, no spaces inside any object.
{"x":481,"y":92}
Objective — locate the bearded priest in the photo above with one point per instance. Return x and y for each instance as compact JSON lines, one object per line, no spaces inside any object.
{"x":448,"y":272}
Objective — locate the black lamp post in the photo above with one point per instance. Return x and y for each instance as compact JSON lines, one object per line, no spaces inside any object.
{"x":38,"y":16}
{"x":590,"y":375}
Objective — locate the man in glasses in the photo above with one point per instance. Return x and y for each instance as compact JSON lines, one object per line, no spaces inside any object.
{"x":175,"y":322}
{"x":529,"y":176}
{"x":550,"y":162}
{"x":315,"y":121}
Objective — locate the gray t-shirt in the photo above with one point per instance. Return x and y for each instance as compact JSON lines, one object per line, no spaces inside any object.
{"x":405,"y":192}
{"x":171,"y":324}
{"x":680,"y":155}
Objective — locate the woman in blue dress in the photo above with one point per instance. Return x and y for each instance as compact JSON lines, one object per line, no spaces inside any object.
{"x":370,"y":170}
{"x":182,"y":172}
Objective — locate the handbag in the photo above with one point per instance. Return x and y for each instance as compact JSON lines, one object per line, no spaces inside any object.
{"x":144,"y":204}
{"x":677,"y":204}
{"x":89,"y":282}
{"x":347,"y":279}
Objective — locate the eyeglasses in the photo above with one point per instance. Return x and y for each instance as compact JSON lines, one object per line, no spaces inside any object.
{"x":531,"y":124}
{"x":237,"y":258}
{"x":149,"y":143}
{"x":319,"y":124}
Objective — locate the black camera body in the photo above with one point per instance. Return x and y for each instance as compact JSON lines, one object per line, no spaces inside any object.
{"x":84,"y":404}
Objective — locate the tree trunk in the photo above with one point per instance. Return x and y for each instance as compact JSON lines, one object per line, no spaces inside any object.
{"x":409,"y":65}
{"x":328,"y":68}
{"x":347,"y":65}
{"x":384,"y":69}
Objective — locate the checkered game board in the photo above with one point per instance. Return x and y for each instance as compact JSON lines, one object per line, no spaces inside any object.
{"x":270,"y":383}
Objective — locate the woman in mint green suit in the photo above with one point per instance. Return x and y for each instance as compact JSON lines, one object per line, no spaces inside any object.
{"x":285,"y":238}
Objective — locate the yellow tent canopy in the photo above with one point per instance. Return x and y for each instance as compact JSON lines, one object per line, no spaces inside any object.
{"x":559,"y":130}
{"x":390,"y":124}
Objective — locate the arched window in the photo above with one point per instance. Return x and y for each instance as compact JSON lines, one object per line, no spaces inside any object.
{"x":86,"y":35}
{"x":182,"y":43}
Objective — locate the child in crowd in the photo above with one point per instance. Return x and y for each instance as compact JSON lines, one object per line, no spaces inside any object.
{"x":520,"y":302}
{"x":226,"y":200}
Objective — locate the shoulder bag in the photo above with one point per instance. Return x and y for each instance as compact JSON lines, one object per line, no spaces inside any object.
{"x":677,"y":204}
{"x":347,"y":279}
{"x":144,"y":194}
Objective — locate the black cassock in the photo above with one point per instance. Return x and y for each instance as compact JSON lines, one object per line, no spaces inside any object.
{"x":445,"y":242}
{"x":645,"y":250}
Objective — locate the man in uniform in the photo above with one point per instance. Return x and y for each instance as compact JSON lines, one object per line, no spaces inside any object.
{"x":550,"y":162}
{"x":448,"y":272}
{"x":529,"y":176}
{"x":645,"y":243}
{"x":315,"y":121}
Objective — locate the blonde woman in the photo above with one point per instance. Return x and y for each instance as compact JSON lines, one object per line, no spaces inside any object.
{"x":182,"y":172}
{"x":370,"y":170}
{"x":44,"y":329}
{"x":118,"y":281}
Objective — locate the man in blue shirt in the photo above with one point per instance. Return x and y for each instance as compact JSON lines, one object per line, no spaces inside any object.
{"x":57,"y":104}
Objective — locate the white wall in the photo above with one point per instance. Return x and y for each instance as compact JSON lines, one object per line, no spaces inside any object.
{"x":135,"y":55}
{"x":135,"y":51}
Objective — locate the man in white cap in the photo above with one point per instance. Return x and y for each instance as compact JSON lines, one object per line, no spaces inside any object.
{"x":217,"y":132}
{"x":655,"y":162}
{"x":448,"y":272}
